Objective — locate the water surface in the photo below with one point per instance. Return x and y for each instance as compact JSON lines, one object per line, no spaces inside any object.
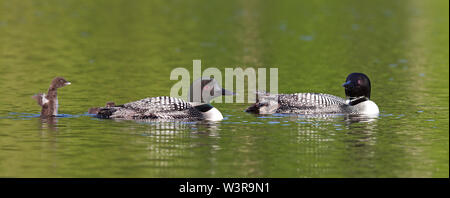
{"x":125,"y":50}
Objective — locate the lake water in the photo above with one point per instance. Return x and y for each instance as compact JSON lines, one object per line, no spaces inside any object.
{"x":125,"y":50}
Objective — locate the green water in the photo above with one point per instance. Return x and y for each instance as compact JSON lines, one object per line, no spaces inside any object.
{"x":125,"y":50}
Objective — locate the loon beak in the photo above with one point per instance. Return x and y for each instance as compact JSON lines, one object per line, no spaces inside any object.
{"x":227,"y":93}
{"x":67,"y":83}
{"x":346,"y":84}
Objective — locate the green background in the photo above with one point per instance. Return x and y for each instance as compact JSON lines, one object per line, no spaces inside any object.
{"x":125,"y":50}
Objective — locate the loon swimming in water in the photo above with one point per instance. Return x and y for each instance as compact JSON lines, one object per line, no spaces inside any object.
{"x":49,"y":101}
{"x":357,"y":91}
{"x":170,"y":108}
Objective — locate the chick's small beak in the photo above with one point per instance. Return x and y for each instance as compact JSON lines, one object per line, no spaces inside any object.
{"x":67,"y":83}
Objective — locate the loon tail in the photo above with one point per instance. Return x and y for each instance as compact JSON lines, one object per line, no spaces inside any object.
{"x":266,"y":103}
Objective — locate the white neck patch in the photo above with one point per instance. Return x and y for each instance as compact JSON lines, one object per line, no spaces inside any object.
{"x":369,"y":108}
{"x":213,"y":115}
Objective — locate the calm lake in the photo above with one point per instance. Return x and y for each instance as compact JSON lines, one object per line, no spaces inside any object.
{"x":124,"y":51}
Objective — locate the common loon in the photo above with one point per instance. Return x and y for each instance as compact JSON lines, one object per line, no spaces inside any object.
{"x":357,"y":91}
{"x":49,"y":101}
{"x":169,"y":108}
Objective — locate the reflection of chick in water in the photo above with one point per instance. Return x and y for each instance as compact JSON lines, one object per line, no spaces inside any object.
{"x":48,"y":122}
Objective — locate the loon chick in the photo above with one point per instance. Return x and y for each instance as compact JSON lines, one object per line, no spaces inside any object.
{"x":49,"y":101}
{"x":95,"y":110}
{"x":201,"y":92}
{"x":357,"y":91}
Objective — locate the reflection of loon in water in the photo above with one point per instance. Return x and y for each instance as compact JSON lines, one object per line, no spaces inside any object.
{"x":311,"y":124}
{"x":169,"y":144}
{"x":173,"y":128}
{"x":319,"y":135}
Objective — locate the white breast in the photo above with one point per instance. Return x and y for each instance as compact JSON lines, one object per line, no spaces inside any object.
{"x":369,"y":108}
{"x":213,"y":115}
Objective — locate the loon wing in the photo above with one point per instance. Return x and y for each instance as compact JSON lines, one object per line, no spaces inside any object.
{"x":296,"y":103}
{"x":309,"y":100}
{"x":40,"y":98}
{"x":162,"y":107}
{"x":159,"y":104}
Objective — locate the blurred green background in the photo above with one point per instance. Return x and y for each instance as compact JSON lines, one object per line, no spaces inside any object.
{"x":125,"y":50}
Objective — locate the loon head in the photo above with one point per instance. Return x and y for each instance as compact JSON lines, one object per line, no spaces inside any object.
{"x":357,"y":85}
{"x":59,"y":82}
{"x":204,"y":89}
{"x":357,"y":90}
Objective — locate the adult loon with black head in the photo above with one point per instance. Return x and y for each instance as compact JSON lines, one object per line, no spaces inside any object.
{"x":170,"y":108}
{"x":357,"y":91}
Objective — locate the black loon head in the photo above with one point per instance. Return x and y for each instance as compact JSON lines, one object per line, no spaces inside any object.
{"x":59,"y":82}
{"x":357,"y":85}
{"x":205,"y":89}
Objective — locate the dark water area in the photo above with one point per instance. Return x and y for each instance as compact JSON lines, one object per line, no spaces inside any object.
{"x":123,"y":51}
